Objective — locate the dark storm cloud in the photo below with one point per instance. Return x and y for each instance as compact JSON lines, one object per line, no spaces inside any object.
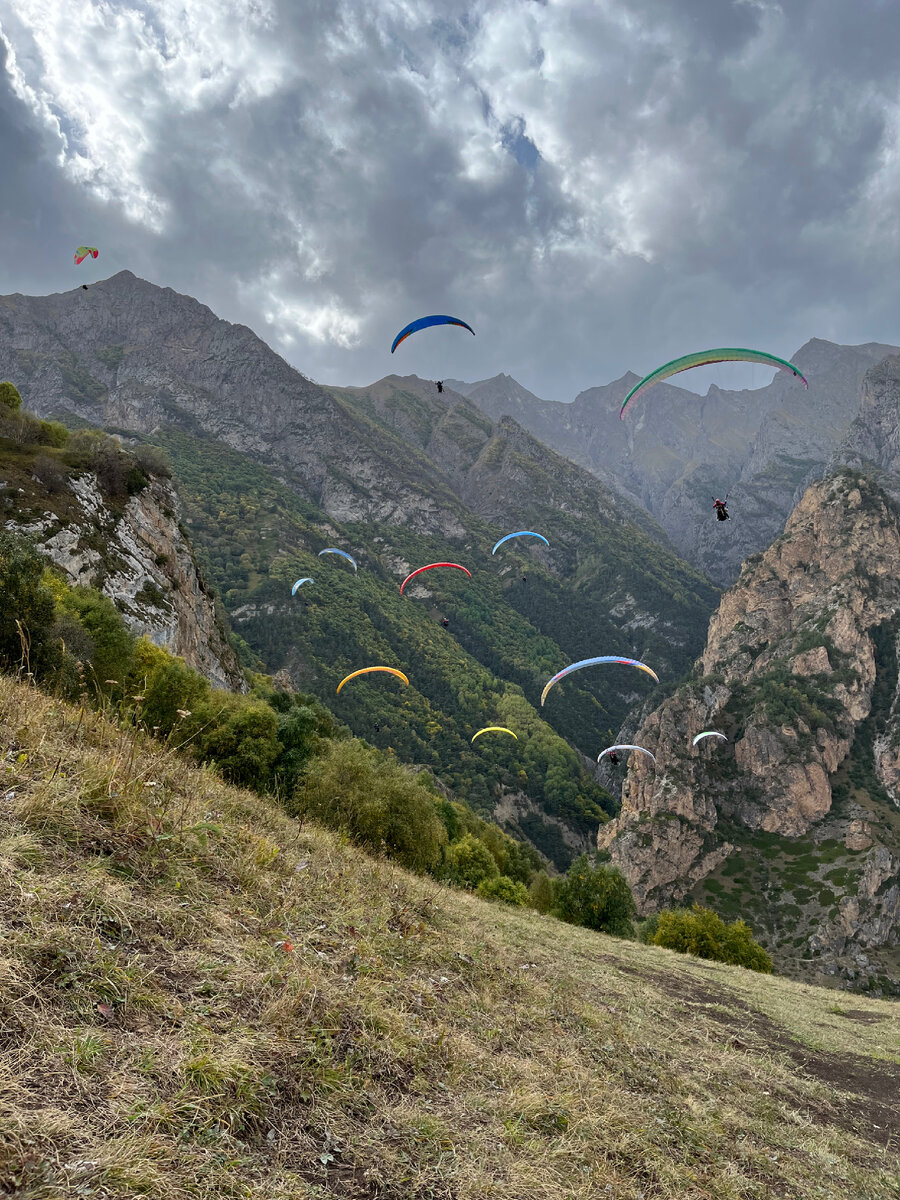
{"x":594,"y":186}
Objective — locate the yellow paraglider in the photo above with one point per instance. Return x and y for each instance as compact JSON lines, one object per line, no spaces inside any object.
{"x":368,"y":670}
{"x":494,"y":729}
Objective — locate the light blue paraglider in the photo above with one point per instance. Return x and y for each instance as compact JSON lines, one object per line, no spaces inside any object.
{"x":521,"y":533}
{"x":300,"y":582}
{"x":342,"y":553}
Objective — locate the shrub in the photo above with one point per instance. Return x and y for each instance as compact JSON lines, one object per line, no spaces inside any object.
{"x":152,"y":461}
{"x":239,"y":735}
{"x":50,"y":472}
{"x":374,"y":800}
{"x":24,"y":598}
{"x":596,"y":896}
{"x":469,"y":862}
{"x":504,"y":889}
{"x":540,"y":893}
{"x":9,"y":396}
{"x":53,"y":433}
{"x":702,"y":932}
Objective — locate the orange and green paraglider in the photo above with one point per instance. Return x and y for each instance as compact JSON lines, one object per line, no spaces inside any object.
{"x":426,"y":323}
{"x":704,"y":358}
{"x":84,"y":252}
{"x":368,"y":671}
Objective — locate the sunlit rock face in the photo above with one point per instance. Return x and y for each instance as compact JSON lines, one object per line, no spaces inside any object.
{"x":798,"y":651}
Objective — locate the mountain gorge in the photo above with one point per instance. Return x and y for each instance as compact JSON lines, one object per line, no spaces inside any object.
{"x":676,"y":450}
{"x":273,"y":468}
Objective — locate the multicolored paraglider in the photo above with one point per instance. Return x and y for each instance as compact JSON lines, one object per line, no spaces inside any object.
{"x":704,"y":358}
{"x":594,"y":662}
{"x":521,"y":533}
{"x":494,"y":729}
{"x":625,"y":746}
{"x":299,"y":583}
{"x":431,"y":567}
{"x":342,"y":553}
{"x":425,"y":323}
{"x":368,"y":671}
{"x":708,"y":733}
{"x":84,"y":252}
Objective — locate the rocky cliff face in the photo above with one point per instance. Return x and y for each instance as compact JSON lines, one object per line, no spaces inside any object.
{"x":800,"y":673}
{"x":137,"y":555}
{"x":677,"y":449}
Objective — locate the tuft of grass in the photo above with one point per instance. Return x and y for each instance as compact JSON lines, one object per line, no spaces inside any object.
{"x":200,"y":998}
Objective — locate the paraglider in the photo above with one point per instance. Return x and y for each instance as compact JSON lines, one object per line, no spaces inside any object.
{"x":299,"y":583}
{"x":342,"y":553}
{"x":521,"y":533}
{"x":592,"y":662}
{"x":709,"y":733}
{"x":84,"y":252}
{"x":704,"y":358}
{"x":495,"y":729}
{"x":721,"y":511}
{"x":426,"y":323}
{"x":368,"y":671}
{"x":613,"y":756}
{"x":431,"y":567}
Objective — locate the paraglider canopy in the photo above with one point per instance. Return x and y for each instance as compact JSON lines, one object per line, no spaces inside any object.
{"x":495,"y":729}
{"x":431,"y":567}
{"x":425,"y":323}
{"x":84,"y":252}
{"x":368,"y":671}
{"x":625,"y":746}
{"x":703,"y":358}
{"x":300,"y":582}
{"x":342,"y":553}
{"x":521,"y":533}
{"x":709,"y":733}
{"x":593,"y":662}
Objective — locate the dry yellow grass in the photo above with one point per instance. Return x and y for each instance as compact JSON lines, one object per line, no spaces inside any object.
{"x":159,"y":1037}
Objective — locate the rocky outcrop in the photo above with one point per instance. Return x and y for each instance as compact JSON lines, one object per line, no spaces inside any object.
{"x":789,"y":672}
{"x":136,"y":554}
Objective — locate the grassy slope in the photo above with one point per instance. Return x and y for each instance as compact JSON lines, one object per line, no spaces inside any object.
{"x":157,"y":1039}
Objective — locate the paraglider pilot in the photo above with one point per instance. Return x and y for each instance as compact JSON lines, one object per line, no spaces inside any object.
{"x":446,"y":623}
{"x":613,"y":758}
{"x":721,"y":510}
{"x":440,"y":384}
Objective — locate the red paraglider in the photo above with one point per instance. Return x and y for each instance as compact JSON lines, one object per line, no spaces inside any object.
{"x":431,"y":567}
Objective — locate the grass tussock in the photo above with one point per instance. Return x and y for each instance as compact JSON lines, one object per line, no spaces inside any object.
{"x":201,"y":998}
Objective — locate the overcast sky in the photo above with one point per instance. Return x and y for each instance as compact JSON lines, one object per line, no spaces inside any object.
{"x":594,"y":185}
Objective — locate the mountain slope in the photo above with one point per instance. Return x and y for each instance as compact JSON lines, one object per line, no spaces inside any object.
{"x":202,"y":999}
{"x":274,"y":469}
{"x":676,"y":450}
{"x":794,"y":822}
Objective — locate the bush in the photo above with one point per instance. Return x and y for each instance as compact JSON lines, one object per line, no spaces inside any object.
{"x":702,"y":932}
{"x":152,"y":461}
{"x":53,"y":433}
{"x":540,"y":893}
{"x":504,"y":889}
{"x":9,"y":396}
{"x":469,"y":862}
{"x":239,"y":735}
{"x":374,"y":800}
{"x":596,"y":896}
{"x":50,"y":472}
{"x":24,"y":598}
